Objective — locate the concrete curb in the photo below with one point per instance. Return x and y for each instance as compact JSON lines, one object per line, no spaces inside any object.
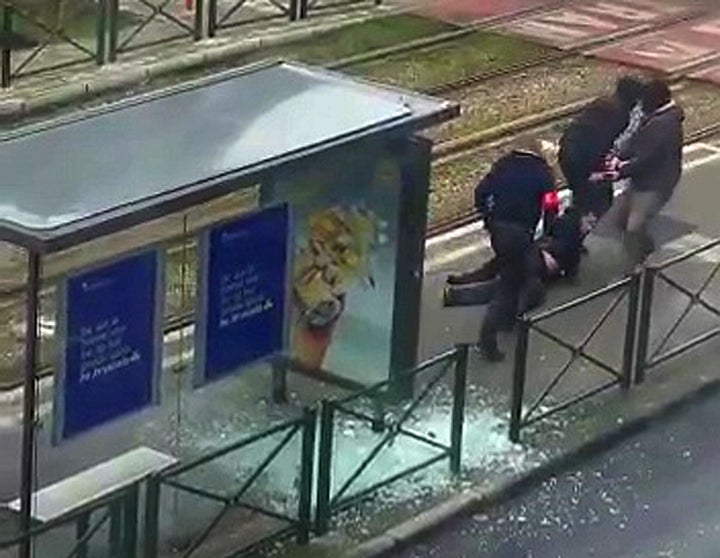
{"x":401,"y":536}
{"x":116,"y":76}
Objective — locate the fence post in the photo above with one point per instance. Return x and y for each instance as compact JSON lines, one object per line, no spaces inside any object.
{"x":113,"y":10}
{"x":307,"y":469}
{"x":279,"y":380}
{"x":458,"y":408}
{"x":324,"y":482}
{"x":116,"y":529}
{"x":152,"y":517}
{"x":81,"y":528}
{"x":303,"y":9}
{"x":630,"y":332}
{"x":130,"y":521}
{"x":646,"y":299}
{"x":519,"y":374}
{"x":212,"y":18}
{"x":199,"y":13}
{"x":101,"y":32}
{"x":8,"y":16}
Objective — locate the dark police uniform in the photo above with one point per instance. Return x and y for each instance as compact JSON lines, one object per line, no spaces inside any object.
{"x":509,"y":198}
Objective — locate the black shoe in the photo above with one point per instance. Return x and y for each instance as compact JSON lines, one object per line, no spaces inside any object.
{"x":491,"y":355}
{"x":479,"y":275}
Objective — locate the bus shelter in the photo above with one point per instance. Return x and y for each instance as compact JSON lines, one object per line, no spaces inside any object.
{"x":170,"y":257}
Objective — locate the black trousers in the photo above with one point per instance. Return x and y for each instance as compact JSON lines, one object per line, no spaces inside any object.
{"x":588,"y":197}
{"x":511,"y":244}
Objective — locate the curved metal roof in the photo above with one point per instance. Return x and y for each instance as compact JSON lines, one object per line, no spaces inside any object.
{"x":92,"y":174}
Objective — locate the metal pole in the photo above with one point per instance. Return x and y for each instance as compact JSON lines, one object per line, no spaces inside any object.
{"x":520,"y":372}
{"x":101,"y":32}
{"x":458,"y":409}
{"x":324,"y":482}
{"x":28,"y":432}
{"x":113,"y":29}
{"x":646,"y":300}
{"x":199,"y":11}
{"x":116,"y":529}
{"x":212,"y":18}
{"x":130,"y":521}
{"x":630,"y":332}
{"x":307,"y":468}
{"x":8,"y":14}
{"x":279,"y":381}
{"x":152,"y":517}
{"x":81,"y":530}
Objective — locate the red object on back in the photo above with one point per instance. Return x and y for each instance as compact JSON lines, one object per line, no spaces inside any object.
{"x":551,"y":202}
{"x":189,"y":5}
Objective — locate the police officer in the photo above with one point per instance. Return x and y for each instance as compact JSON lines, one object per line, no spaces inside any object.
{"x":509,"y":198}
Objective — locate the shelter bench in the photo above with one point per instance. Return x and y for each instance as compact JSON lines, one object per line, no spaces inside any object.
{"x":115,"y":482}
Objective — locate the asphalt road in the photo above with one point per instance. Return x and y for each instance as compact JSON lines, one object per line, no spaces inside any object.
{"x":656,"y":495}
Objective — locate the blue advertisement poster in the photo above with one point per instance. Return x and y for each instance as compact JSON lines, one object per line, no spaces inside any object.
{"x":243,"y":292}
{"x":111,"y":339}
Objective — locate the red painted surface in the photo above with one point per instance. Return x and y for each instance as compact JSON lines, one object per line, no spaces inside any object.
{"x":587,"y":21}
{"x":670,"y":50}
{"x":469,"y":11}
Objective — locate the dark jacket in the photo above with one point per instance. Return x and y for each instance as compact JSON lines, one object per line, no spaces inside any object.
{"x":654,"y":155}
{"x":564,"y":242}
{"x":590,"y":137}
{"x":512,"y":191}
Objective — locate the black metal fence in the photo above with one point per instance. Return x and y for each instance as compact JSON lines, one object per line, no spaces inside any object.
{"x":155,"y":12}
{"x":110,"y":523}
{"x":29,"y":38}
{"x":651,"y":355}
{"x":390,"y":427}
{"x":30,"y":44}
{"x":524,"y":414}
{"x":298,"y":524}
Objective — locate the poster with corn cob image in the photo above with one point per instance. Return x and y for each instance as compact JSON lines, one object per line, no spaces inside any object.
{"x":345,"y":210}
{"x":335,"y":256}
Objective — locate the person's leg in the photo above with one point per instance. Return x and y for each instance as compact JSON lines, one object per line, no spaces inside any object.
{"x":533,"y":292}
{"x":510,"y":243}
{"x":486,"y":272}
{"x":644,"y":207}
{"x":614,"y":222}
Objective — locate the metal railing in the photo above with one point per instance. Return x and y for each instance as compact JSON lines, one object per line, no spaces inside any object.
{"x":648,"y":359}
{"x":307,"y":6}
{"x":21,"y":53}
{"x":226,"y":19}
{"x":628,"y":288}
{"x":389,"y":429}
{"x":299,"y":524}
{"x":118,"y":512}
{"x":156,"y":12}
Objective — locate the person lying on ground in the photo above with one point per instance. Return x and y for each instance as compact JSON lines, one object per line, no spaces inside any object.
{"x":554,"y":256}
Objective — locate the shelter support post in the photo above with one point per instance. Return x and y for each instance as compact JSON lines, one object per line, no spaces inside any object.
{"x":415,"y":157}
{"x":28,"y":430}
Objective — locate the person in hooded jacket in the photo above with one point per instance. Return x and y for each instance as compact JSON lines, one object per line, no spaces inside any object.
{"x":509,"y":198}
{"x":652,"y":161}
{"x":589,"y":140}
